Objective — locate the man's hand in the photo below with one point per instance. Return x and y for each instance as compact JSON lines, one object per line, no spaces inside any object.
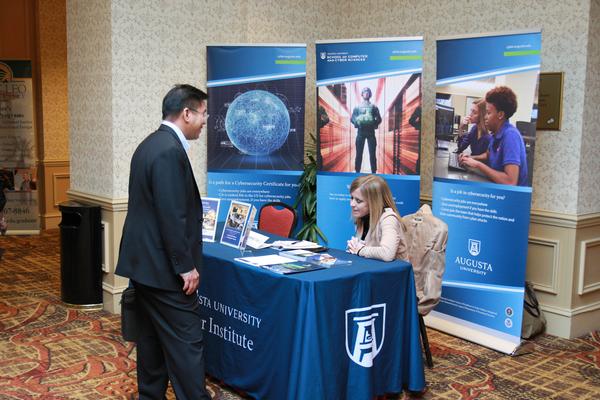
{"x":191,"y":279}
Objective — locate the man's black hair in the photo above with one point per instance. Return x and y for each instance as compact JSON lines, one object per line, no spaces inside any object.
{"x":180,"y":97}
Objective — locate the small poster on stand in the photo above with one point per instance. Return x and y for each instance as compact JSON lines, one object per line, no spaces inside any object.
{"x":237,"y":224}
{"x":247,"y":229}
{"x":210,"y":212}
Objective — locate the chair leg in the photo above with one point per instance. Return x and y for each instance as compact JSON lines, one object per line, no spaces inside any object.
{"x":425,"y":342}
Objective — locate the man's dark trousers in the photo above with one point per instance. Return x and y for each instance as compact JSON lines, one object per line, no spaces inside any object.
{"x":170,"y":338}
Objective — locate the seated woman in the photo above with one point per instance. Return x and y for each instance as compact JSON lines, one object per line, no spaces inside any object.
{"x":505,"y":160}
{"x":379,"y":230}
{"x":478,"y":137}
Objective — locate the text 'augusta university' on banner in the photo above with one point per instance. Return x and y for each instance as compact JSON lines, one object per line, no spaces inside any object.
{"x":485,"y":116}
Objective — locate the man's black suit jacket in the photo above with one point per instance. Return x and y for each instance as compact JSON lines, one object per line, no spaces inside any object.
{"x":162,"y":235}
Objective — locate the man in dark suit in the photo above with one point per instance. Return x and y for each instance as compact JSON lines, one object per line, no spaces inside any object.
{"x":161,"y":251}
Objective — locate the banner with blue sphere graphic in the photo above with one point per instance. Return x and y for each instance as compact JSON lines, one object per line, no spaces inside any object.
{"x":256,"y":96}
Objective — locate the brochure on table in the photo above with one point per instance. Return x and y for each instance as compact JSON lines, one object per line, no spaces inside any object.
{"x":295,"y":244}
{"x":293,"y":267}
{"x":238,"y":224}
{"x":210,"y":212}
{"x":320,"y":259}
{"x":261,"y":261}
{"x":280,"y":264}
{"x":257,"y":240}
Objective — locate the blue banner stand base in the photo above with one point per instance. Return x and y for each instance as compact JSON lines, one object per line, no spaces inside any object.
{"x":481,"y":335}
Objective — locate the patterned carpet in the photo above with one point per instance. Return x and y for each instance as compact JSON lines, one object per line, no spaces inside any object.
{"x":48,"y":351}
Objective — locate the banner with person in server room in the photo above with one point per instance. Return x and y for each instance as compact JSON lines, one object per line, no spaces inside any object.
{"x":369,"y":122}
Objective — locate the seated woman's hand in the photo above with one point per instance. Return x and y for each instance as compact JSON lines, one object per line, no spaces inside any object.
{"x":354,"y":245}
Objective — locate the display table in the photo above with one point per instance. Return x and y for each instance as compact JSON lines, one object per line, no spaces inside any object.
{"x":347,"y":332}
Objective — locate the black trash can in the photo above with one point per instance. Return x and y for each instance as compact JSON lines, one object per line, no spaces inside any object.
{"x":80,"y":255}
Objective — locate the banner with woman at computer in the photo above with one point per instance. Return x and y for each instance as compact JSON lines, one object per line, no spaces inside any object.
{"x":368,"y":121}
{"x":486,"y":109}
{"x":255,"y":135}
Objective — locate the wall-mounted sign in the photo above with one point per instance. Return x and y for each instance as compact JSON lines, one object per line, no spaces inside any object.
{"x":550,"y":101}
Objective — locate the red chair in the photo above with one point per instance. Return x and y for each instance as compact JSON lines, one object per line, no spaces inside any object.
{"x":277,"y":218}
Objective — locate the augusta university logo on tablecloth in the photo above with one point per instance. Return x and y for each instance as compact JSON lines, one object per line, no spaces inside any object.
{"x":365,"y":332}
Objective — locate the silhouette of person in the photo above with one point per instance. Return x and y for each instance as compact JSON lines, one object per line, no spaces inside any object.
{"x":415,"y":119}
{"x":366,"y":118}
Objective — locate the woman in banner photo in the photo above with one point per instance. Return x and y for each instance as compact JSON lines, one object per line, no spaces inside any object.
{"x":477,"y":137}
{"x":505,"y":160}
{"x":379,"y":230}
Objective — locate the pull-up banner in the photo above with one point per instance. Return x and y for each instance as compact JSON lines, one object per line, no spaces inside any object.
{"x":482,"y":181}
{"x":256,"y":125}
{"x":18,"y":171}
{"x":368,"y":121}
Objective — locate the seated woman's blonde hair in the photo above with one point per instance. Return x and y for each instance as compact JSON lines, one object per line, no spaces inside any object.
{"x":378,"y":196}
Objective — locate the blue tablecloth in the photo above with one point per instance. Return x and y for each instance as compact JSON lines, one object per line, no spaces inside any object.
{"x":295,"y":336}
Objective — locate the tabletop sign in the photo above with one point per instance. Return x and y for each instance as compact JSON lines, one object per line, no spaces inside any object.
{"x":550,"y":101}
{"x":210,"y":213}
{"x":238,"y":224}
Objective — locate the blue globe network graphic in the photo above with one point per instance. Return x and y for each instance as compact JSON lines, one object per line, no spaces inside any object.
{"x":257,"y":123}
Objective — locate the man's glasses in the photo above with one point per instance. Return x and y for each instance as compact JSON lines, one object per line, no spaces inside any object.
{"x":198,"y":112}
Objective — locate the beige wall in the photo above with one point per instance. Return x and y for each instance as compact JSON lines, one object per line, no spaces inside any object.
{"x":124,"y":55}
{"x":89,"y":57}
{"x":53,"y":111}
{"x":52,"y":49}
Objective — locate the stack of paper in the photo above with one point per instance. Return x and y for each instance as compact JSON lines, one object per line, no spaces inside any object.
{"x":261,"y":261}
{"x":295,"y":244}
{"x":279,"y":264}
{"x":321,"y":259}
{"x":257,"y":240}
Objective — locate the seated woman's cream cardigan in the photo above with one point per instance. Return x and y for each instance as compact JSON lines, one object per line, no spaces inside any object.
{"x":392,"y":242}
